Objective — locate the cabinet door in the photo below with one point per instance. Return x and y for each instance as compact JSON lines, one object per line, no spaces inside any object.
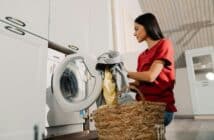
{"x":34,"y":13}
{"x":23,"y":78}
{"x":200,"y":66}
{"x":85,"y":24}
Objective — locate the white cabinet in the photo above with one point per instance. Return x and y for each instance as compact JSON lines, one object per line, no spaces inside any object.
{"x":34,"y":13}
{"x":23,"y":70}
{"x":200,"y":68}
{"x":85,"y":24}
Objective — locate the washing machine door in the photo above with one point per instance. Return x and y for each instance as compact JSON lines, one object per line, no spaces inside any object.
{"x":76,"y":84}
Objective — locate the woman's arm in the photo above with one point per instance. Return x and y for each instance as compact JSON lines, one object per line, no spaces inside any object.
{"x":149,"y":75}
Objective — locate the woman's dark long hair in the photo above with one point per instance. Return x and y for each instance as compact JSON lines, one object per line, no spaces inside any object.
{"x":151,"y":25}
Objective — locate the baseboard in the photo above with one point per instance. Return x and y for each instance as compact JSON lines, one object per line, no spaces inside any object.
{"x":184,"y":117}
{"x":204,"y":117}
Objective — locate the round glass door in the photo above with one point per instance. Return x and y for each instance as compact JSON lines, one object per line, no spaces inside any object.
{"x":76,"y":84}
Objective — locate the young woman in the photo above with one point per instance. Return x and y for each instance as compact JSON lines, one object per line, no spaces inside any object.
{"x":155,"y":76}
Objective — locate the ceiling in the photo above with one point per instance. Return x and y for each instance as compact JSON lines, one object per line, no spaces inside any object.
{"x":188,"y":23}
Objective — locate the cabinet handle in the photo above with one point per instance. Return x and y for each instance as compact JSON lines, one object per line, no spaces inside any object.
{"x":36,"y":132}
{"x":204,"y":85}
{"x":56,"y":57}
{"x":16,"y":21}
{"x":73,"y":47}
{"x":14,"y":30}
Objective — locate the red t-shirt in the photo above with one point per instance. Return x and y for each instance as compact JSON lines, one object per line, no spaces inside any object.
{"x":161,"y":90}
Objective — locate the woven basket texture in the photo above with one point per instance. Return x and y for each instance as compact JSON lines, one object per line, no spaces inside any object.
{"x":131,"y":121}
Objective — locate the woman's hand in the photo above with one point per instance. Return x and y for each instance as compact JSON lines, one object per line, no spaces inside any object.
{"x":135,"y":83}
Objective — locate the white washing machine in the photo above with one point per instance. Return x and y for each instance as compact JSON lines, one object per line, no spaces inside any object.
{"x":73,"y":85}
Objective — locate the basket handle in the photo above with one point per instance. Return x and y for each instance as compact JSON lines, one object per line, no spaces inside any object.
{"x":135,"y":89}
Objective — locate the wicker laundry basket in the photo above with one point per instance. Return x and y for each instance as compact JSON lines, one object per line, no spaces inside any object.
{"x":141,"y":120}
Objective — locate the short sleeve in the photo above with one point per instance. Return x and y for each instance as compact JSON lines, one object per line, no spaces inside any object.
{"x":165,"y":52}
{"x":138,"y":63}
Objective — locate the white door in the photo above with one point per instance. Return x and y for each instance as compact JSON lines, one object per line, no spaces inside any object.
{"x":76,"y":83}
{"x":200,"y":66}
{"x":23,"y":60}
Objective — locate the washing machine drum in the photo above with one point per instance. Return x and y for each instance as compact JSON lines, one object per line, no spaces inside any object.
{"x":76,"y":84}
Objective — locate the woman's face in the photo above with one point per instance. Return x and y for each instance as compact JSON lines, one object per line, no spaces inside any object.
{"x":140,"y":32}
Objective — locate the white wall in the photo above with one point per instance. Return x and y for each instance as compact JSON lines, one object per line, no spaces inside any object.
{"x":124,"y":14}
{"x":182,"y":93}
